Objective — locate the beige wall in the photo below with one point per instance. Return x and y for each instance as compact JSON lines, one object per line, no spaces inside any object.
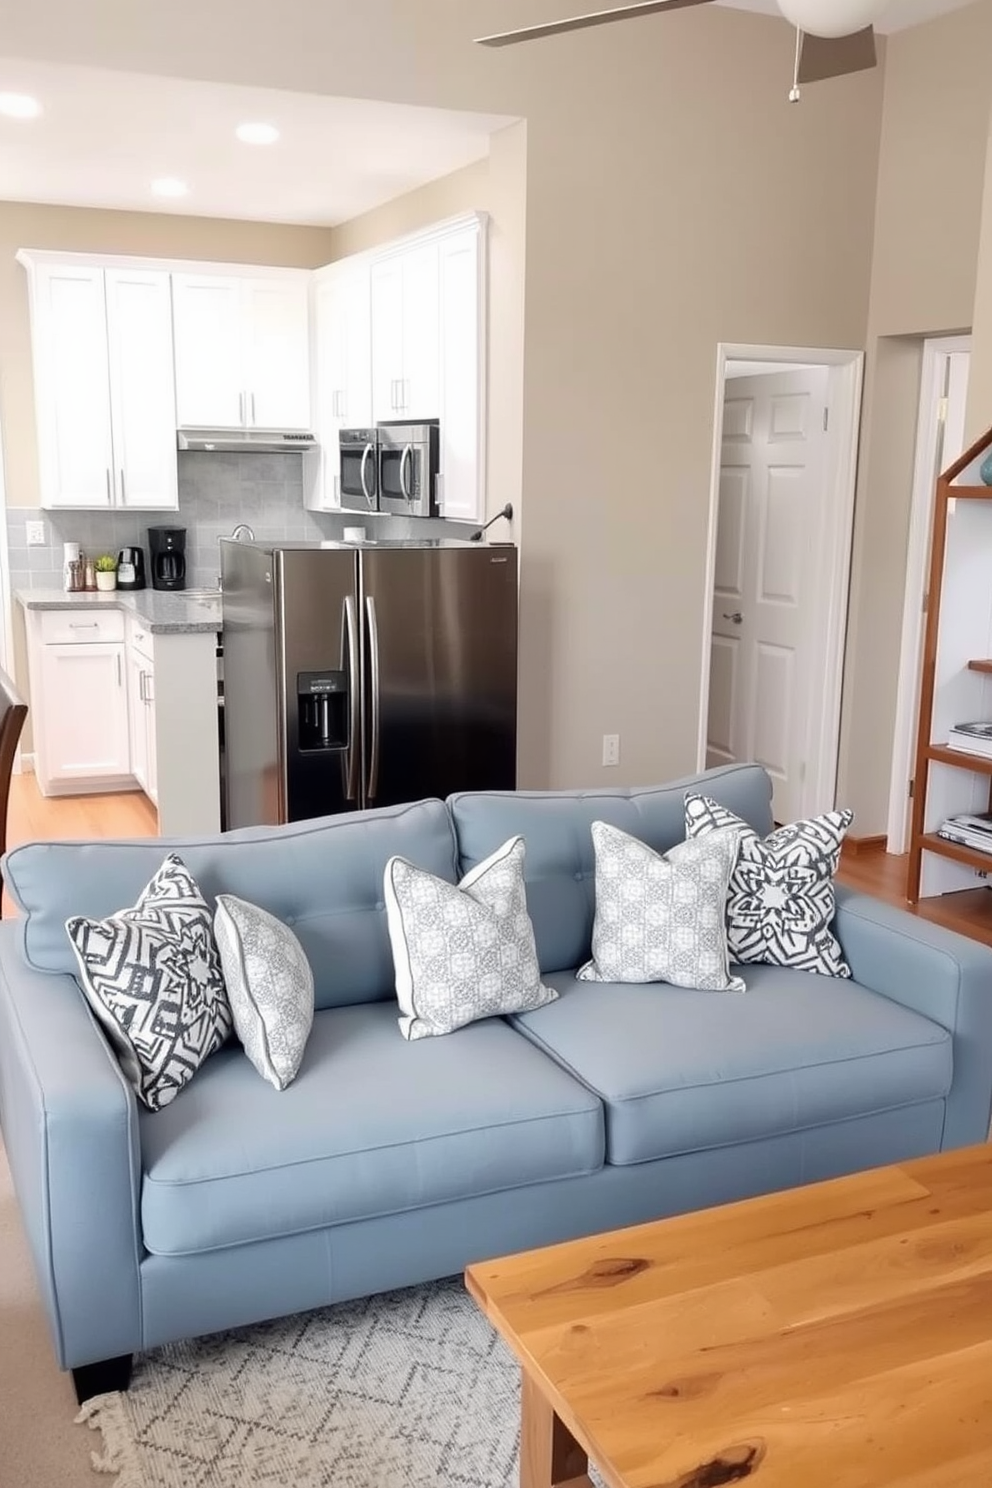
{"x":673,"y":199}
{"x":931,"y":181}
{"x":980,"y":382}
{"x":76,"y":230}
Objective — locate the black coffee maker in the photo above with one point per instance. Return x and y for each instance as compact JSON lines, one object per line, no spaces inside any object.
{"x":167,"y":547}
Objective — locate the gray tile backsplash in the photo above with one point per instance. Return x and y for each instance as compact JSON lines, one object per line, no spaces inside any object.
{"x":216,"y":492}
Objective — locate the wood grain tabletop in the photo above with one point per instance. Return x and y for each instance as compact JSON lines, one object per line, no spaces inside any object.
{"x":833,"y":1336}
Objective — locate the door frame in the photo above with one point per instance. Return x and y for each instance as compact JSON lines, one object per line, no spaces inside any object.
{"x":844,"y":387}
{"x":928,"y":455}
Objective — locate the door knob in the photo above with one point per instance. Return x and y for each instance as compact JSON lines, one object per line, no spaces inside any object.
{"x":736,"y":618}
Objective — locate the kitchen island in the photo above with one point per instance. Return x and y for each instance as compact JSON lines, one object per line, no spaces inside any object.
{"x":123,"y":696}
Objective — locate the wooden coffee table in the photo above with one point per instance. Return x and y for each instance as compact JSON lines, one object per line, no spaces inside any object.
{"x":835,"y":1336}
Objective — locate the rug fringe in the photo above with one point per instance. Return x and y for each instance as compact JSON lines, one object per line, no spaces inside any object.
{"x":105,"y":1413}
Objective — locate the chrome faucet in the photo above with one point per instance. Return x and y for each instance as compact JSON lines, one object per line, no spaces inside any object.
{"x":243,"y":533}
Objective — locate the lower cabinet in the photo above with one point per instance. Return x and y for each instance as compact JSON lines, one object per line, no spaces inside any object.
{"x":141,"y":710}
{"x":79,"y":712}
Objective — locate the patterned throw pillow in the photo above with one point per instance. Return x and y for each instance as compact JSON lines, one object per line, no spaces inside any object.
{"x":662,"y":918}
{"x":269,"y":986}
{"x":152,"y":976}
{"x":464,"y":951}
{"x":781,"y":902}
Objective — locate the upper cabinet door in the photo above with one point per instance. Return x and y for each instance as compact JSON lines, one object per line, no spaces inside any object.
{"x":462,"y":374}
{"x":142,"y":388}
{"x":72,"y":385}
{"x":343,"y":395}
{"x":207,"y":318}
{"x":419,"y":390}
{"x":276,"y":328}
{"x":387,"y":338}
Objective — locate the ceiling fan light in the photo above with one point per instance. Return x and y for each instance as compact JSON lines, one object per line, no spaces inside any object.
{"x":832,"y":17}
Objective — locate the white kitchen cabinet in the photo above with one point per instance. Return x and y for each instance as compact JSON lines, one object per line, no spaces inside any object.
{"x":79,"y":710}
{"x":462,"y":374}
{"x":242,"y":350}
{"x":104,"y":394}
{"x":406,"y":333}
{"x":141,"y":709}
{"x":343,"y":365}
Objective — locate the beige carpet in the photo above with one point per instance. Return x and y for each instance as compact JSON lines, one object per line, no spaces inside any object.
{"x":40,"y":1446}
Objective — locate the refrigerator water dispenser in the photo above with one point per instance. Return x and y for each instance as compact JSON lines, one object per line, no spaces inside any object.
{"x":322,"y":699}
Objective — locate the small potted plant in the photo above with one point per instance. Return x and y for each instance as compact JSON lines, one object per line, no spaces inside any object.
{"x":106,"y":571}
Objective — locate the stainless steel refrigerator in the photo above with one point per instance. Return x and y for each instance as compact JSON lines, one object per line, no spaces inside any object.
{"x":365,"y":675}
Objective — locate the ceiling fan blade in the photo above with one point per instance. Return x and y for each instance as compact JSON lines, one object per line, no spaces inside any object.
{"x":579,"y":23}
{"x":827,"y":57}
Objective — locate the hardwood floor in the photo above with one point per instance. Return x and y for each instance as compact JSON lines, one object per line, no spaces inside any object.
{"x":884,"y":875}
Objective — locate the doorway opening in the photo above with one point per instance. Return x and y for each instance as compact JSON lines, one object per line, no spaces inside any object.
{"x":940,"y":439}
{"x":778,"y":563}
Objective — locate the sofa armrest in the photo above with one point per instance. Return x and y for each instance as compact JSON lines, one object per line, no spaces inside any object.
{"x":70,"y":1127}
{"x":944,"y":976}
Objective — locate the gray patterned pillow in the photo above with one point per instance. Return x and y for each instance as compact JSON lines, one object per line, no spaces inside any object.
{"x":269,"y":986}
{"x":462,"y":951}
{"x":661,"y":919}
{"x":780,"y":906}
{"x":152,"y":976}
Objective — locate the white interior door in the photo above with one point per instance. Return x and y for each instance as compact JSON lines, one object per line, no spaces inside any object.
{"x":765,"y":599}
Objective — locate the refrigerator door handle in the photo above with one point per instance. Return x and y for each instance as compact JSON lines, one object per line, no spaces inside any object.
{"x":406,"y":462}
{"x":373,"y":629}
{"x":367,"y":454}
{"x":351,"y":634}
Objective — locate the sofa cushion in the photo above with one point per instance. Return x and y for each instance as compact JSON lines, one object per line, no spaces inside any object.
{"x":557,"y":827}
{"x":462,"y":951}
{"x":323,"y":878}
{"x":371,"y":1125}
{"x":680,"y":1072}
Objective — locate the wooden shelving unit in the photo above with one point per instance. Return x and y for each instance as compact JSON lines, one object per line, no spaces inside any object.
{"x":956,"y":648}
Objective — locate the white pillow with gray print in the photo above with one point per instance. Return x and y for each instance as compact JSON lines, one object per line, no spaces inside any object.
{"x":662,"y":918}
{"x":269,"y":986}
{"x":780,"y":907}
{"x":462,"y":951}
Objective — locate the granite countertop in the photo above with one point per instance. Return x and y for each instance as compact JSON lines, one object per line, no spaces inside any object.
{"x":163,"y":612}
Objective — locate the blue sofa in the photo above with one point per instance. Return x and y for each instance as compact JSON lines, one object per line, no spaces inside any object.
{"x":388,"y":1163}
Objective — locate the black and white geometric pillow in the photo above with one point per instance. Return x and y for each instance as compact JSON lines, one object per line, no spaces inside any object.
{"x":661,"y":918}
{"x":462,"y":951}
{"x":153,"y":977}
{"x":780,"y":906}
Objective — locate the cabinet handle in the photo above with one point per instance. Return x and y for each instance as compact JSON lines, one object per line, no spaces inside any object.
{"x":123,"y":487}
{"x":84,"y":625}
{"x":252,"y":397}
{"x":405,"y":393}
{"x":110,"y":498}
{"x":439,"y":494}
{"x":150,"y":687}
{"x":141,"y":687}
{"x":241,"y":410}
{"x":120,"y":674}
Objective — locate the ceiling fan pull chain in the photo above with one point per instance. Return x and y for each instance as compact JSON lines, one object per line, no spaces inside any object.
{"x":795,"y":95}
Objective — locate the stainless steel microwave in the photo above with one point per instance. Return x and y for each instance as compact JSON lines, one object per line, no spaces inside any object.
{"x":359,"y":469}
{"x":409,"y":455}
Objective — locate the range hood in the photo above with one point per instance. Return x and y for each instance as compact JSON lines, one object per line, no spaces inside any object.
{"x":258,"y":441}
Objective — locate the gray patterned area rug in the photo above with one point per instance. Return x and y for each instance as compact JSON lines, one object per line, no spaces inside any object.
{"x":404,"y":1390}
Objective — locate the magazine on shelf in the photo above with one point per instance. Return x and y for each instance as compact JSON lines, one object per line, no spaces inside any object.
{"x":970,"y":829}
{"x":976,"y":841}
{"x":971,"y":738}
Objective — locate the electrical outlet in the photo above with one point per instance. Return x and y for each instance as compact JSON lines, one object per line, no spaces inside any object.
{"x":611,"y":749}
{"x":35,"y":534}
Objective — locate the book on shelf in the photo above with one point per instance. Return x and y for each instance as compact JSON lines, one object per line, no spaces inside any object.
{"x":970,"y":829}
{"x":971,"y":738}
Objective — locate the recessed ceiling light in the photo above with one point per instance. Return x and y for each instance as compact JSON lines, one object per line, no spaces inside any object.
{"x":170,"y":186}
{"x":19,"y":106}
{"x":257,"y":134}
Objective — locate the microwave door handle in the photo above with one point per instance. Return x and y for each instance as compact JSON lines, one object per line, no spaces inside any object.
{"x":373,"y":635}
{"x":366,"y":457}
{"x":351,"y":640}
{"x":406,"y":460}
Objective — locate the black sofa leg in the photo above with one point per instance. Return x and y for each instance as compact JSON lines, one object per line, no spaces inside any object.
{"x":100,"y":1379}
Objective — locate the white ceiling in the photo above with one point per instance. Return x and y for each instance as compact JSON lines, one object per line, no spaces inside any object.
{"x":336,"y":157}
{"x":899,"y":14}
